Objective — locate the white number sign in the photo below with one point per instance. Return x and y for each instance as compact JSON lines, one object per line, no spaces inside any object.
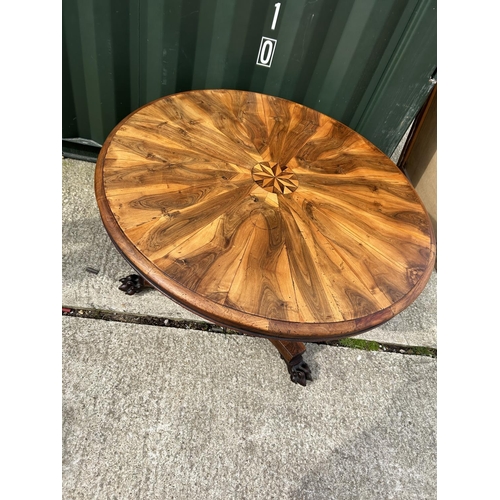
{"x":268,"y":45}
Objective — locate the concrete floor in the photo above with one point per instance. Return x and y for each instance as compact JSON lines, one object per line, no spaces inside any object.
{"x":152,"y":412}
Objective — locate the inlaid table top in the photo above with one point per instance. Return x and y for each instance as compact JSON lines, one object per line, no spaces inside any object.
{"x":263,"y":215}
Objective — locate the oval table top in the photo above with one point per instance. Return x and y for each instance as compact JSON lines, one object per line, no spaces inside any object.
{"x":263,"y":215}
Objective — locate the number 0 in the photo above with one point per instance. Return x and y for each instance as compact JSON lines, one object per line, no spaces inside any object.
{"x":267,"y":52}
{"x":276,"y":12}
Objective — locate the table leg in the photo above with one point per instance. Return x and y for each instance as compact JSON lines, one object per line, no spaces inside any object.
{"x":292,"y":352}
{"x":133,"y":283}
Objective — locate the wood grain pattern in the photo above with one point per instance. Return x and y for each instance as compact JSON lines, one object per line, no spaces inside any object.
{"x":263,"y":215}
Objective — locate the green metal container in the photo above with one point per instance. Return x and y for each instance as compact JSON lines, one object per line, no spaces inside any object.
{"x":367,"y":63}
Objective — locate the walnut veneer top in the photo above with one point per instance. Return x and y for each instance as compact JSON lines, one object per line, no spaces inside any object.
{"x":263,"y":215}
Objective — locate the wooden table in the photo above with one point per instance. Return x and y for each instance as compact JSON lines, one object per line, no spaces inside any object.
{"x":263,"y":216}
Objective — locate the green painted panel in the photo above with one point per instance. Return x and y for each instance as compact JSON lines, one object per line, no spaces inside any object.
{"x":405,"y":83}
{"x":366,"y":63}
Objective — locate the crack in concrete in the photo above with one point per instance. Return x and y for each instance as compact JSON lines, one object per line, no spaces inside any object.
{"x":140,"y":319}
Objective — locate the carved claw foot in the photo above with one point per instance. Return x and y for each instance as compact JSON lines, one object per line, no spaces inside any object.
{"x":299,"y":371}
{"x":133,"y":284}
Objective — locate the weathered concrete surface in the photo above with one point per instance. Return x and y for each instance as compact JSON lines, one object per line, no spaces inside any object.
{"x":157,"y":413}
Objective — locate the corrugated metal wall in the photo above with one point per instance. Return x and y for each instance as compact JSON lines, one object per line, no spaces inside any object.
{"x":366,"y":63}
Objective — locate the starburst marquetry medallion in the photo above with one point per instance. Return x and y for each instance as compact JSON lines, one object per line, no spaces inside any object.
{"x":275,"y":178}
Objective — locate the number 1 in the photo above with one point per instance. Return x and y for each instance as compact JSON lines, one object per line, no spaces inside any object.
{"x":276,"y":12}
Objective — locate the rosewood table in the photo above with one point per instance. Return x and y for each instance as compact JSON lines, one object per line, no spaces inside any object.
{"x":263,"y":216}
